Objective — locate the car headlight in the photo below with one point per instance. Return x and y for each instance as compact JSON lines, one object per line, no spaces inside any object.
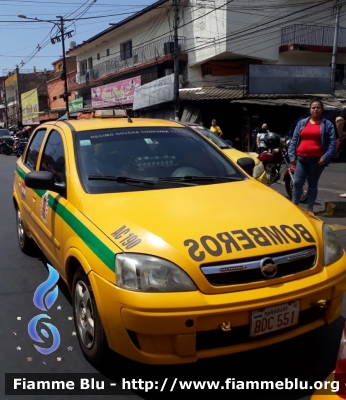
{"x":332,"y":250}
{"x":258,"y":170}
{"x":143,"y":273}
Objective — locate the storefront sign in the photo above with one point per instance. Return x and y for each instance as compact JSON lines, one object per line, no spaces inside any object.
{"x":115,"y":93}
{"x":76,"y":104}
{"x":29,"y":107}
{"x":156,"y":92}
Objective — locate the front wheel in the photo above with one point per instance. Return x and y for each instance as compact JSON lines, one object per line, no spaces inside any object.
{"x":289,"y":190}
{"x":25,"y":243}
{"x":8,"y":151}
{"x":89,"y":328}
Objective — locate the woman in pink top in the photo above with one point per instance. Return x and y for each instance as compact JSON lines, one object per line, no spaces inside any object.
{"x":311,"y":149}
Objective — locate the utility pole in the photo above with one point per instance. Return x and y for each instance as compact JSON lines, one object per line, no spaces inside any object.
{"x":19,"y":86}
{"x":176,"y":61}
{"x":57,"y":39}
{"x":338,"y":6}
{"x":5,"y":100}
{"x":64,"y":68}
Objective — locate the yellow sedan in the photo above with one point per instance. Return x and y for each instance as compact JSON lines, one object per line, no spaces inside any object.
{"x":234,"y":154}
{"x":149,"y":225}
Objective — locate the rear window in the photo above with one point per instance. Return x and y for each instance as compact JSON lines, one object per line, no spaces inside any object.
{"x":151,"y":154}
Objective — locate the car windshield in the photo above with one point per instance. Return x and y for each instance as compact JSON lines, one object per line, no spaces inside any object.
{"x":4,"y":132}
{"x":132,"y":159}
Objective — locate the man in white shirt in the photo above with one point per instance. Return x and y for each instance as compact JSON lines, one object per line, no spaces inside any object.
{"x":260,"y":138}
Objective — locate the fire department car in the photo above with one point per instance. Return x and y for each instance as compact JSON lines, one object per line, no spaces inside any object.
{"x":157,"y":234}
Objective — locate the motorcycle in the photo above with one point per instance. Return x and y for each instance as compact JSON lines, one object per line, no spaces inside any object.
{"x":274,"y":158}
{"x":19,"y":148}
{"x":6,"y":148}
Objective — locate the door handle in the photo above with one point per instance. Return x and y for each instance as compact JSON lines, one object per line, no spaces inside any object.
{"x":34,"y":199}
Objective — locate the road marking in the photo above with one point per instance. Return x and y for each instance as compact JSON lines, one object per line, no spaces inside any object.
{"x":337,"y":227}
{"x":330,"y":190}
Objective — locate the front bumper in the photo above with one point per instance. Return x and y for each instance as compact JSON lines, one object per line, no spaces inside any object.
{"x":172,"y":328}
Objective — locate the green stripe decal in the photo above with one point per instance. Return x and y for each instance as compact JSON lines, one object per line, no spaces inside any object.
{"x":104,"y":253}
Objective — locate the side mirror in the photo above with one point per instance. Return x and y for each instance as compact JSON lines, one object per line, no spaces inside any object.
{"x":247,"y":164}
{"x":44,"y":180}
{"x":229,"y":142}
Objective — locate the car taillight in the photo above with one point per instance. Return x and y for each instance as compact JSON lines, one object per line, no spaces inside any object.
{"x":340,"y":368}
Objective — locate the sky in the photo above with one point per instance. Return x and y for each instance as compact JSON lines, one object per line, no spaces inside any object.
{"x":27,"y":43}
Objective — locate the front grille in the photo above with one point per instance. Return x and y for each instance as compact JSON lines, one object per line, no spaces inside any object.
{"x":215,"y":339}
{"x":249,"y":270}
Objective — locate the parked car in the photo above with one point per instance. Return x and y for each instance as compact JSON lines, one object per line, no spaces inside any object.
{"x":231,"y":152}
{"x":5,"y":134}
{"x":157,"y":234}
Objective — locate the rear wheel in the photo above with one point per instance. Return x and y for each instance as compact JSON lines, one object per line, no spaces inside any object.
{"x":25,"y":243}
{"x":19,"y":152}
{"x":89,"y":328}
{"x":289,"y":190}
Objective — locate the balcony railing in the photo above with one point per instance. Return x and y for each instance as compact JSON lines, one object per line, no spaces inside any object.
{"x":139,"y":55}
{"x":311,"y":35}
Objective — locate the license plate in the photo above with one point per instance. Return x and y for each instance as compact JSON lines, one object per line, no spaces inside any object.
{"x":274,"y":318}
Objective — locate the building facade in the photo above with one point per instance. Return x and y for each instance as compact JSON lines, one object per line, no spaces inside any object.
{"x":217,"y":45}
{"x":55,"y":85}
{"x":19,"y":82}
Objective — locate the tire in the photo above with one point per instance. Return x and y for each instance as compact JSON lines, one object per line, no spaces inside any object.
{"x":19,"y":152}
{"x":289,"y":190}
{"x":26,"y":244}
{"x":8,"y":151}
{"x":90,"y":333}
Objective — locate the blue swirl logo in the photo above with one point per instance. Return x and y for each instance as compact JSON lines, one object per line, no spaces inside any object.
{"x":44,"y":288}
{"x":32,"y":329}
{"x":44,"y":301}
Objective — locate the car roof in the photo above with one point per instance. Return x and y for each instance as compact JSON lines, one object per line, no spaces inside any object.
{"x":108,"y":123}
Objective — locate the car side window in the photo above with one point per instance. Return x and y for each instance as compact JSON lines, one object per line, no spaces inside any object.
{"x":34,"y":149}
{"x":53,"y":157}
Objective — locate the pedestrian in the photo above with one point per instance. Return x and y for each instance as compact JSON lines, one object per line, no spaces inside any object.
{"x":215,"y":128}
{"x":340,"y":126}
{"x":261,"y":146}
{"x":311,"y":150}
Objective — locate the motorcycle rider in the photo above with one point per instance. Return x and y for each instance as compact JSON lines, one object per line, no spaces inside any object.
{"x":260,"y":138}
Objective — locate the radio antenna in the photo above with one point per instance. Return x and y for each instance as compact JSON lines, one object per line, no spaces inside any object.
{"x":122,"y":107}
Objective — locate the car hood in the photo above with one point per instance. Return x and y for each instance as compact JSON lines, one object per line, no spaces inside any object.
{"x":201,"y":224}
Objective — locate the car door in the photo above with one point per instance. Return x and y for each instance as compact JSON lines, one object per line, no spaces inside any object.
{"x":28,"y":197}
{"x":48,"y":211}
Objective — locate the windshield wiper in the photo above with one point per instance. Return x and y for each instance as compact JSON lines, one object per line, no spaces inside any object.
{"x":198,"y":178}
{"x":128,"y":179}
{"x":120,"y":179}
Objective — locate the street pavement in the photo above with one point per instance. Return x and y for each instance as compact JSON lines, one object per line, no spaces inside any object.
{"x":20,"y":275}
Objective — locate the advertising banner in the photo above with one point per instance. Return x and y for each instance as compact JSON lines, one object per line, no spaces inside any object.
{"x":29,"y":106}
{"x":76,"y":104}
{"x":156,"y":92}
{"x":114,"y":94}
